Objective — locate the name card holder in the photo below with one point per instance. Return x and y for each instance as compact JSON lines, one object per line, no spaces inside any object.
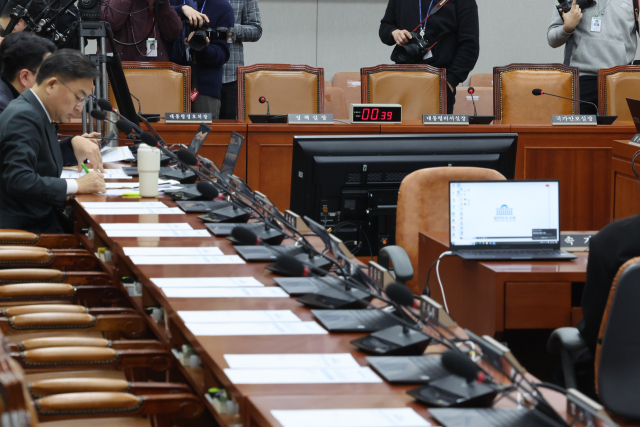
{"x":431,"y":311}
{"x":310,"y":119}
{"x":635,"y":140}
{"x":445,"y":119}
{"x":188,"y":118}
{"x":380,"y":275}
{"x":575,"y":120}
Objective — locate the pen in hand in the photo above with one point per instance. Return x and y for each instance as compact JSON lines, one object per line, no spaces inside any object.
{"x":86,"y":169}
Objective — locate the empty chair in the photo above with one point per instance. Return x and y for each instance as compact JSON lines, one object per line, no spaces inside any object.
{"x":350,"y":84}
{"x":615,"y":86}
{"x":481,"y":80}
{"x":483,"y":97}
{"x":334,"y":103}
{"x":327,"y":83}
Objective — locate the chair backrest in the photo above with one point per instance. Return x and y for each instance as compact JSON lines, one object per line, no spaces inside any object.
{"x":327,"y":83}
{"x":334,"y":103}
{"x":420,"y":89}
{"x":481,"y":80}
{"x":288,"y":88}
{"x":483,"y":97}
{"x":351,"y":84}
{"x":423,"y":205}
{"x":617,"y":367}
{"x":513,"y":101}
{"x":162,"y":87}
{"x":615,"y":85}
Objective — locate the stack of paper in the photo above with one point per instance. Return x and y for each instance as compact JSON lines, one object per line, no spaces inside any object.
{"x":109,"y":174}
{"x":130,"y":208}
{"x":251,"y":329}
{"x":395,"y":417}
{"x":202,"y":255}
{"x":255,"y":292}
{"x":116,"y":154}
{"x":153,"y":230}
{"x":207,"y":282}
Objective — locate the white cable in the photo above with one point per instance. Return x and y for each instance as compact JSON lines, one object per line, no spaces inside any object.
{"x":444,"y":254}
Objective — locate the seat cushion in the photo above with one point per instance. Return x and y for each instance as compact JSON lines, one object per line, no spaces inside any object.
{"x":619,"y":87}
{"x":417,"y":91}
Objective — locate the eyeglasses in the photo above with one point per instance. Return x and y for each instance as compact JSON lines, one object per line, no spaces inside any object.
{"x":81,"y":100}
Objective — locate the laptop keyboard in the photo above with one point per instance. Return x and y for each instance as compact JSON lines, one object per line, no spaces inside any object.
{"x":513,"y":252}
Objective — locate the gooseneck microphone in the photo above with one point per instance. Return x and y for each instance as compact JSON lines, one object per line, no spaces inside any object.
{"x":459,"y":364}
{"x":262,"y":100}
{"x":106,"y":105}
{"x":208,"y":191}
{"x":400,"y":294}
{"x":126,"y":128}
{"x":471,"y":91}
{"x":538,"y":92}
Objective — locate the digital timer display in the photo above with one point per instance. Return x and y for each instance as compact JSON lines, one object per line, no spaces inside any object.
{"x":367,"y":113}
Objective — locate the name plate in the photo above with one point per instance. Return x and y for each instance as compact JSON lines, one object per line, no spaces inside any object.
{"x":445,"y":119}
{"x":310,"y":119}
{"x":583,"y":120}
{"x":575,"y":242}
{"x":188,"y":117}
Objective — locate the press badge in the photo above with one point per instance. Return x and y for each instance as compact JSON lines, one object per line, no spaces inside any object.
{"x":428,"y":55}
{"x":596,"y":24}
{"x":152,"y":47}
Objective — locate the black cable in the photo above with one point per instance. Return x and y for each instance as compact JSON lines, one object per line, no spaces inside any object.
{"x":153,"y":24}
{"x":361,"y":230}
{"x":427,"y":290}
{"x":551,"y":386}
{"x":633,"y":164}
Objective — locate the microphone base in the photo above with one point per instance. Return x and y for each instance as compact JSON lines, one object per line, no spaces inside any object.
{"x":228,"y":214}
{"x":317,"y":262}
{"x":454,"y":391}
{"x":606,"y":120}
{"x":393,"y":342}
{"x":330,"y":298}
{"x":481,"y":120}
{"x":268,"y":118}
{"x":270,"y":237}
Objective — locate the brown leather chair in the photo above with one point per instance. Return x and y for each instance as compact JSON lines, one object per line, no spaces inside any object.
{"x":423,"y":205}
{"x":327,"y":84}
{"x":420,"y":89}
{"x":25,"y":238}
{"x":483,"y":97}
{"x":334,"y":103}
{"x":351,"y":84}
{"x":615,"y":85}
{"x":513,"y":101}
{"x":46,"y":275}
{"x":39,"y":257}
{"x":161,"y":87}
{"x":288,"y":88}
{"x":481,"y":80}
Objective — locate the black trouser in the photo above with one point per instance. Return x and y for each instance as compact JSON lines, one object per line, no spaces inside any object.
{"x":589,"y":93}
{"x":451,"y":99}
{"x":229,"y":101}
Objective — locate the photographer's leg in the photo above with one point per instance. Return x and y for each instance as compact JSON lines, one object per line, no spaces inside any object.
{"x":589,"y":93}
{"x":451,"y":99}
{"x":206,"y":104}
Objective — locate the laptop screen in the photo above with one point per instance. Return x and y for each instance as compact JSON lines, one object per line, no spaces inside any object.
{"x":231,"y":157}
{"x":504,"y":214}
{"x":198,"y":139}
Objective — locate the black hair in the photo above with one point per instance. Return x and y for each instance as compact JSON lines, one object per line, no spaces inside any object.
{"x":67,"y":65}
{"x":22,"y":50}
{"x":35,"y":8}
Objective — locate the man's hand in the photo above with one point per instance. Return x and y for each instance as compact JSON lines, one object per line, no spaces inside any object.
{"x":94,"y":137}
{"x":401,"y":37}
{"x":93,"y":182}
{"x":196,"y":19}
{"x":186,"y":41}
{"x":86,"y":149}
{"x":572,"y":18}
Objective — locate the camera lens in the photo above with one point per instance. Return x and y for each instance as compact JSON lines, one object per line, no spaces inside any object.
{"x":407,"y":53}
{"x":198,"y":40}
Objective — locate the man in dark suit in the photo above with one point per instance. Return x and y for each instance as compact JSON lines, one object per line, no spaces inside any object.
{"x":31,"y":159}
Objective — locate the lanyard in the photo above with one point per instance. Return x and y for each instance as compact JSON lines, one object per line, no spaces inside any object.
{"x":432,"y":12}
{"x":423,"y":24}
{"x":203,"y":5}
{"x":601,"y":11}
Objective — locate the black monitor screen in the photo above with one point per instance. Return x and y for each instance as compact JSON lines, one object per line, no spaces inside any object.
{"x":198,"y":138}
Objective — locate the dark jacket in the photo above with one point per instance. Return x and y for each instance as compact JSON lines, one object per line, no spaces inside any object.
{"x":614,"y":245}
{"x":7,"y":94}
{"x":455,"y":27}
{"x":207,"y":64}
{"x":30,"y":166}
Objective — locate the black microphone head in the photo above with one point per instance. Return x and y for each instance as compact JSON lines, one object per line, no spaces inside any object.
{"x":149,"y":139}
{"x":207,"y":190}
{"x":187,"y":157}
{"x":245,"y":236}
{"x":292,"y":266}
{"x":124,"y":126}
{"x":471,"y":90}
{"x":98,"y":114}
{"x":399,"y":294}
{"x":459,"y":364}
{"x":537,"y":92}
{"x":104,"y":104}
{"x":262,"y":100}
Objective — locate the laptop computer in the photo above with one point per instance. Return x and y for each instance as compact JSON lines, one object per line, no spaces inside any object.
{"x":231,"y":156}
{"x":505,"y":220}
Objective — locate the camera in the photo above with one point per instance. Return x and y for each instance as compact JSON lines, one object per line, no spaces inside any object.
{"x":412,"y":52}
{"x":90,"y":10}
{"x":199,"y":39}
{"x":565,"y":6}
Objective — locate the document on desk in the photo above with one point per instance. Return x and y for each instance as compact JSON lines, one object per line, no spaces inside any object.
{"x":116,"y":154}
{"x":251,"y":329}
{"x":264,"y":292}
{"x":290,"y":361}
{"x":123,"y":205}
{"x":392,"y":417}
{"x":158,"y":233}
{"x":187,"y":260}
{"x":238,"y":316}
{"x":123,"y":191}
{"x":207,"y":282}
{"x":146,"y":226}
{"x":173,"y":251}
{"x":137,"y":211}
{"x":303,"y":376}
{"x":110,"y":174}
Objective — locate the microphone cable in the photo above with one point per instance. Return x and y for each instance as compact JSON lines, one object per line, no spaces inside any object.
{"x":633,"y":164}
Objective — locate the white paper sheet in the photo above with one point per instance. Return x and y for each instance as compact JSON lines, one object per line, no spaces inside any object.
{"x":302,"y":376}
{"x":158,"y":233}
{"x":238,"y":316}
{"x":187,"y":260}
{"x":107,"y":226}
{"x":122,"y":191}
{"x":173,"y":251}
{"x":139,"y":211}
{"x":161,"y":183}
{"x":290,"y":361}
{"x":207,"y":282}
{"x":265,"y":292}
{"x":110,"y":174}
{"x":123,"y":205}
{"x":116,"y":154}
{"x":396,"y":417}
{"x":251,"y":329}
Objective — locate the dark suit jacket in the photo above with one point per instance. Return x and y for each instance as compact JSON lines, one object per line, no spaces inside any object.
{"x":30,"y":166}
{"x":7,"y":94}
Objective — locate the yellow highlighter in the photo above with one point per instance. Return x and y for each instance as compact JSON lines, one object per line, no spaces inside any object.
{"x":86,"y":169}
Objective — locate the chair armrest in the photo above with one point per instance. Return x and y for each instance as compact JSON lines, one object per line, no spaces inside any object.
{"x":53,"y":241}
{"x":58,"y":241}
{"x":82,"y":405}
{"x":46,"y":275}
{"x":130,"y":324}
{"x":81,"y":385}
{"x":59,"y":291}
{"x":34,"y":249}
{"x":17,"y":237}
{"x":30,"y":256}
{"x":565,"y":339}
{"x":34,"y":343}
{"x":62,"y":308}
